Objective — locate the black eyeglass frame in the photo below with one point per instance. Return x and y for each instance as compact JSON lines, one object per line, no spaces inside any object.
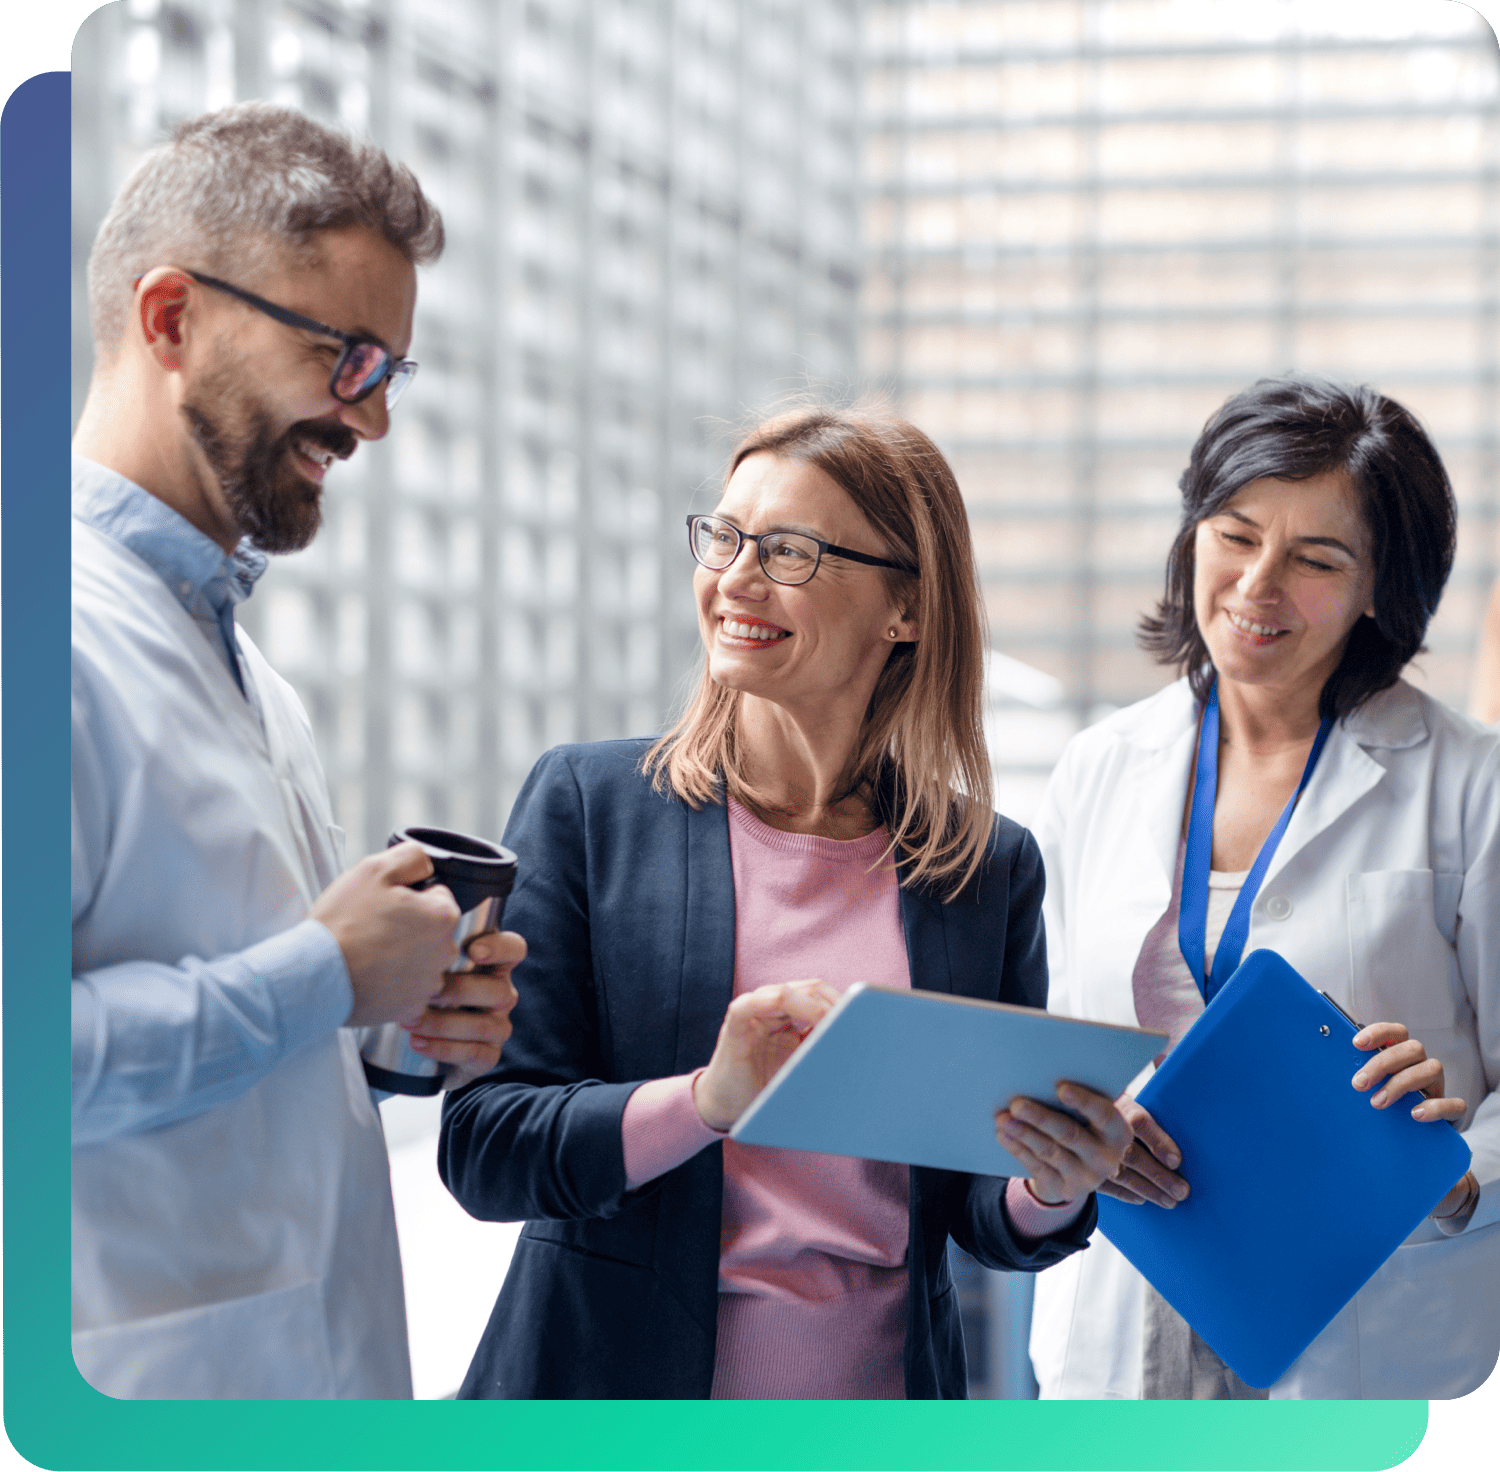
{"x":397,"y":373}
{"x":824,"y":549}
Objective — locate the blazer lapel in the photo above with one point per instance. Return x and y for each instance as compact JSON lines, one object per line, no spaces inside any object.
{"x":708,"y":935}
{"x":922,"y":918}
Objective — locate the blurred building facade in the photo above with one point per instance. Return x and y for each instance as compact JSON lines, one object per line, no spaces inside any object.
{"x":653,"y":229}
{"x":1087,"y":223}
{"x":1090,"y":221}
{"x":1058,"y":232}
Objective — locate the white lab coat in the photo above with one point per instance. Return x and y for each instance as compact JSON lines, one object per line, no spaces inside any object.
{"x":248,"y":1251}
{"x":1385,"y":891}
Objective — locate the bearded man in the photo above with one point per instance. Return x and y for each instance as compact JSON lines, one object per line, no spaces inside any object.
{"x":251,"y":292}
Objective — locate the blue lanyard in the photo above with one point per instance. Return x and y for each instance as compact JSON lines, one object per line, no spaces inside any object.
{"x":1192,"y":916}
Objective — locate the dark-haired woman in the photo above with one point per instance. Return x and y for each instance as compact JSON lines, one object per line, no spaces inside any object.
{"x":1317,"y":533}
{"x":821,"y":811}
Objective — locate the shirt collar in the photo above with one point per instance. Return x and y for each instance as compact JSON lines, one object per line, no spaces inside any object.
{"x":200,"y":574}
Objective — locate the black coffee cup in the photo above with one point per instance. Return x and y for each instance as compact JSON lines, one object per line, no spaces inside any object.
{"x":480,"y":874}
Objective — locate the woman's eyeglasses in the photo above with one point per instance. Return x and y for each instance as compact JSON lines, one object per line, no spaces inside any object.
{"x":786,"y":557}
{"x":362,"y":367}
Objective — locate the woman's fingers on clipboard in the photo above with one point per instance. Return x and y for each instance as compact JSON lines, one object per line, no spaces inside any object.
{"x":1065,"y":1159}
{"x":1150,"y":1134}
{"x":1147,"y":1173}
{"x":1401,"y":1066}
{"x":1143,"y":1178}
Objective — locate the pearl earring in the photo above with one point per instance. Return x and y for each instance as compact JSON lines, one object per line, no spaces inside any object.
{"x":892,"y":632}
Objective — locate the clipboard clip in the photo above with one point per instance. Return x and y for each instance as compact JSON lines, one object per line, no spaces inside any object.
{"x":1357,"y":1026}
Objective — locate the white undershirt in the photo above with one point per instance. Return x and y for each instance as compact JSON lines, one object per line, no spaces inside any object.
{"x":1166,"y":996}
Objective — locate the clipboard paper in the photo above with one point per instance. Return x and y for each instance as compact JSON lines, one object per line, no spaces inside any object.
{"x":1300,"y":1188}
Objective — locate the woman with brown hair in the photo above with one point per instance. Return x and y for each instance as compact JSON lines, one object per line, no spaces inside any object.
{"x":821,"y":810}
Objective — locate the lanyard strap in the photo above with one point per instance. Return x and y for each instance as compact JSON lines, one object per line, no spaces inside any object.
{"x":1192,"y":916}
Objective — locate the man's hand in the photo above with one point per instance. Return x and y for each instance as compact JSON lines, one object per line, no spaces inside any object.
{"x":467,"y":1023}
{"x":396,"y":941}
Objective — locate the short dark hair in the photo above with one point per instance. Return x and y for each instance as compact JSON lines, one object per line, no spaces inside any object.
{"x":235,"y":187}
{"x":1294,"y":428}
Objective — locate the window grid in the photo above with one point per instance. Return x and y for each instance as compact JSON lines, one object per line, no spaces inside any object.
{"x":637,"y":259}
{"x":1087,"y":223}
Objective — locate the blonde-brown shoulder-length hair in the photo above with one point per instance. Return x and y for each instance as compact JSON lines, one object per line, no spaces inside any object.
{"x":921,"y":756}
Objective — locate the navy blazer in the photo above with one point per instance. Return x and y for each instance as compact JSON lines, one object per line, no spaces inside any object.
{"x":626,"y":899}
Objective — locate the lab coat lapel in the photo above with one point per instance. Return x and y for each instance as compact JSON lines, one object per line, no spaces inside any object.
{"x":1161,"y":793}
{"x":1346,"y":771}
{"x":1136,"y":826}
{"x":1156,"y":782}
{"x":708,"y":935}
{"x":311,"y":831}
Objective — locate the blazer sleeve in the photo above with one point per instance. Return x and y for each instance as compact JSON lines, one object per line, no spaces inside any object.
{"x":538,"y":1137}
{"x":981,"y":1226}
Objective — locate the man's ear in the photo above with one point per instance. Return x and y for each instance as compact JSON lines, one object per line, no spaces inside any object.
{"x":162,"y":300}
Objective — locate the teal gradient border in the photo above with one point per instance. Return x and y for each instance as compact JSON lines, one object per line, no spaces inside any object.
{"x":56,"y":1420}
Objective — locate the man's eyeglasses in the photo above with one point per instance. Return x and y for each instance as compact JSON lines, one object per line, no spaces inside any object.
{"x":362,"y":367}
{"x":787,"y":557}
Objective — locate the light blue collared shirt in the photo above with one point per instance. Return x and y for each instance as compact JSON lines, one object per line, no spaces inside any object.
{"x":205,"y":579}
{"x":156,"y":1043}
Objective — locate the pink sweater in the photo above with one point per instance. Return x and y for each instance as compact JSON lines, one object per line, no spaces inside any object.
{"x":812,"y":1266}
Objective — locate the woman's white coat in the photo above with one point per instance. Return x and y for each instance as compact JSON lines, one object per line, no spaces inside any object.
{"x":1385,"y":891}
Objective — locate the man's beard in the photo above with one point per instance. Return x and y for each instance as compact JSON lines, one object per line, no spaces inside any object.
{"x":273,"y":504}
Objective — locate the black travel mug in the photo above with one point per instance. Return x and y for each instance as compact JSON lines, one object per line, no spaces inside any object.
{"x":480,"y":874}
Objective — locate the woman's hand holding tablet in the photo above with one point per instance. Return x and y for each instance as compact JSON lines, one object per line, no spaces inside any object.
{"x":760,"y":1032}
{"x":1066,"y":1159}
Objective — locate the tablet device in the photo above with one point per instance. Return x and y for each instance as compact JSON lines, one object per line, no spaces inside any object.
{"x":1300,"y":1189}
{"x":916,"y":1077}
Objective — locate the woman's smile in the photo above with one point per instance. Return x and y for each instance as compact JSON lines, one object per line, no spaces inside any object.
{"x":747,"y":633}
{"x":1258,"y":632}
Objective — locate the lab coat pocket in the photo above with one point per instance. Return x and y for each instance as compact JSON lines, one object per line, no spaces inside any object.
{"x":1429,"y":1320}
{"x":217,"y":1351}
{"x":1401,"y":928}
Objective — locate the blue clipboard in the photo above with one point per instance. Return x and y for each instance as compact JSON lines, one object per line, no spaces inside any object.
{"x":916,"y":1077}
{"x":1254,"y":1283}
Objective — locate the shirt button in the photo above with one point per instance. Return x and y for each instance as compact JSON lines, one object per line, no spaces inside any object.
{"x":1278,"y":907}
{"x":185,"y":587}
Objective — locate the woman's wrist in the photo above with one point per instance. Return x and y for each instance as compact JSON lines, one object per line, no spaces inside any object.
{"x":1033,"y":1219}
{"x":1459,"y":1214}
{"x":693,"y":1087}
{"x":1041,"y":1201}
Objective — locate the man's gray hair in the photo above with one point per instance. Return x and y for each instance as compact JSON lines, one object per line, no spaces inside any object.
{"x":234,"y":190}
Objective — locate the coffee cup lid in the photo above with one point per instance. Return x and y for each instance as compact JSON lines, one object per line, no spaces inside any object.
{"x":463,"y":857}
